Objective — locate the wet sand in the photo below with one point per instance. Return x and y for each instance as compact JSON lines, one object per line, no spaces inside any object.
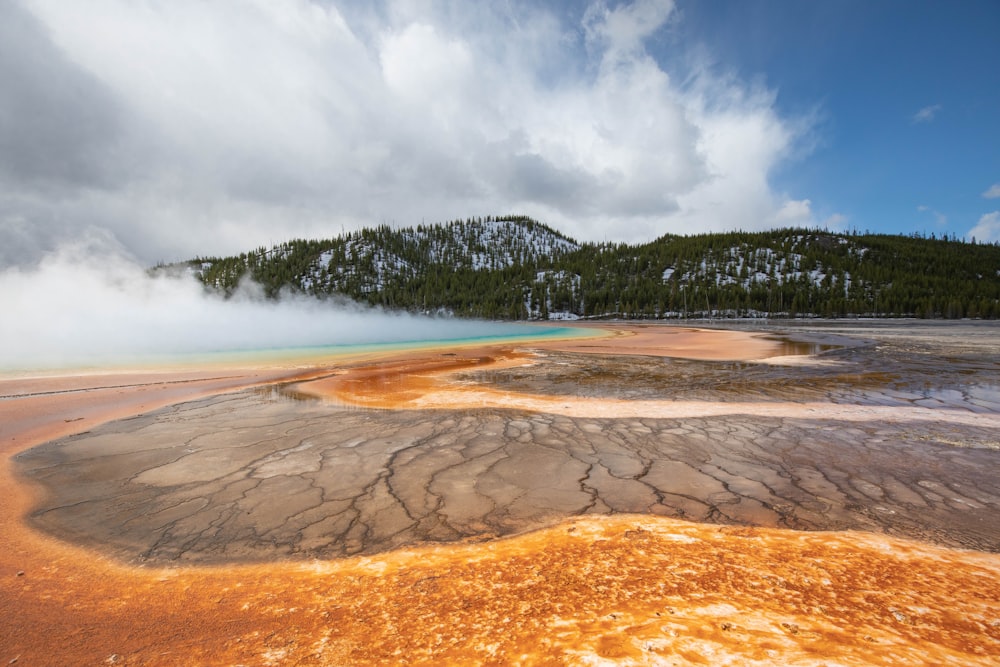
{"x":445,"y":453}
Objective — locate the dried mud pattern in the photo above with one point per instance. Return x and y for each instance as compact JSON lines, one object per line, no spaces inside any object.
{"x":256,"y":476}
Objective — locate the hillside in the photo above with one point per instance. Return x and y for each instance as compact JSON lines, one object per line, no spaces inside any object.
{"x":517,"y":268}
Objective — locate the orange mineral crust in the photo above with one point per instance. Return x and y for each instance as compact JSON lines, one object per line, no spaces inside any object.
{"x":611,"y":590}
{"x":421,"y":379}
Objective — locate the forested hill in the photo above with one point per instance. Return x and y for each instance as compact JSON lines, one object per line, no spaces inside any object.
{"x":517,"y":268}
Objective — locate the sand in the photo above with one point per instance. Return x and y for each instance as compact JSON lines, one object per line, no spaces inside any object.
{"x":624,"y":589}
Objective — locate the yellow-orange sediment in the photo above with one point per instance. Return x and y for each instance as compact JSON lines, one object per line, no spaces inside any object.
{"x":593,"y":590}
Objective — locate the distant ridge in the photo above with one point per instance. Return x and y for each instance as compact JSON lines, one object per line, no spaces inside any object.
{"x":514,"y":267}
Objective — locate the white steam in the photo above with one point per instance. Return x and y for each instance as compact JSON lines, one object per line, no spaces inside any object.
{"x":89,"y":304}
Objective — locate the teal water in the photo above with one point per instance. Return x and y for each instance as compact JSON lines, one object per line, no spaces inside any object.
{"x":318,"y":354}
{"x":106,"y":360}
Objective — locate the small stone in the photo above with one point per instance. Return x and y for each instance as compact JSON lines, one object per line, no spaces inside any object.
{"x":20,"y":573}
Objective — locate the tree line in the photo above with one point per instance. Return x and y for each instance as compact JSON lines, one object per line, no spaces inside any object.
{"x":514,"y":267}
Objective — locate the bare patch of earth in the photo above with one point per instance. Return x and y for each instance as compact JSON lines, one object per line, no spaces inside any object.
{"x":906,"y":364}
{"x":258,"y":476}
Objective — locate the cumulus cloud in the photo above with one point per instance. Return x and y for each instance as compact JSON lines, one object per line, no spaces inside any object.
{"x":987,"y":230}
{"x":58,"y":124}
{"x":794,"y":211}
{"x":91,"y":304}
{"x":622,"y":30}
{"x":188,"y":128}
{"x":992,"y":192}
{"x":926,"y":114}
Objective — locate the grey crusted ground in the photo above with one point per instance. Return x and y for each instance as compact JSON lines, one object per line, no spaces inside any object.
{"x":258,"y":476}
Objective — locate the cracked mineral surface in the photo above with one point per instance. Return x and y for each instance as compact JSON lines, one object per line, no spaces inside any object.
{"x":355,"y":513}
{"x":466,"y":446}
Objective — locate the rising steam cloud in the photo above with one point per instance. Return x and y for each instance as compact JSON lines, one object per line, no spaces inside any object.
{"x":90,"y":304}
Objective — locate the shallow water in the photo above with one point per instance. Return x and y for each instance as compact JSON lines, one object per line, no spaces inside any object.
{"x":504,"y":333}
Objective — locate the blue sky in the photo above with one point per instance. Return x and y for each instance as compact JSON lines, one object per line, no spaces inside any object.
{"x":187,"y":128}
{"x":906,"y":95}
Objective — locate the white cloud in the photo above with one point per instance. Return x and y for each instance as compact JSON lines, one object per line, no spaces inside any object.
{"x":993,"y":191}
{"x":211,"y":128}
{"x":793,"y":212}
{"x":422,"y":65}
{"x":623,"y":30}
{"x":987,"y":230}
{"x":926,"y":114}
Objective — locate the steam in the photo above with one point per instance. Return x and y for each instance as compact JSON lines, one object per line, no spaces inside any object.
{"x":90,"y":304}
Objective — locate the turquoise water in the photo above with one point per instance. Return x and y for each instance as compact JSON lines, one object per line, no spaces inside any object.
{"x":103,"y":360}
{"x":318,"y":353}
{"x":294,"y":355}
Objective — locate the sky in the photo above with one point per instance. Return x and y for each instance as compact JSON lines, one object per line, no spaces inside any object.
{"x":179,"y":128}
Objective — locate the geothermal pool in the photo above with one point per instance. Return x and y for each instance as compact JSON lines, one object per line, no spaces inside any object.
{"x":652,"y":464}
